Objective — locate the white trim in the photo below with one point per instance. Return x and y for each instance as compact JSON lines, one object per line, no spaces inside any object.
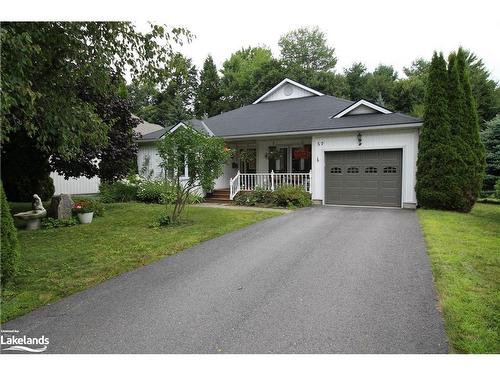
{"x":380,"y":127}
{"x":359,"y":103}
{"x":287,"y":80}
{"x":210,"y":133}
{"x":175,"y":128}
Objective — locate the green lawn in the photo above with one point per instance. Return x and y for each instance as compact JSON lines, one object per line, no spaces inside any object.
{"x":465,"y":254}
{"x":59,"y":262}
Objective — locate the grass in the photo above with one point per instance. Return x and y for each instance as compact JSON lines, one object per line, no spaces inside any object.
{"x":58,"y":262}
{"x":464,"y":250}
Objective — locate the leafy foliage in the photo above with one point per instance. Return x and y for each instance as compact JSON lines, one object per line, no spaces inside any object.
{"x":51,"y":223}
{"x":285,"y":196}
{"x":123,"y":190}
{"x":25,"y":171}
{"x":248,"y":74}
{"x":291,"y":197}
{"x":204,"y":157}
{"x":10,"y":245}
{"x":307,"y":49}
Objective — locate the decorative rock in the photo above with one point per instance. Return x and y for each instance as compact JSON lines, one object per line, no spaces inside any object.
{"x":61,"y":206}
{"x":32,"y":218}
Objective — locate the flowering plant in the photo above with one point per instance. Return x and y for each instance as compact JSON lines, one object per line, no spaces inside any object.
{"x":83,"y":207}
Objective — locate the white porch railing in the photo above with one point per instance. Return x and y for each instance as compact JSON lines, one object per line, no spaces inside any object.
{"x":268,"y":181}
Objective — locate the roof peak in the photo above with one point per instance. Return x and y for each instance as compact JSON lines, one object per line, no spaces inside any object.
{"x":287,"y":89}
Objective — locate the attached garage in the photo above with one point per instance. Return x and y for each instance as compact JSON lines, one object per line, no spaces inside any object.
{"x":364,"y":178}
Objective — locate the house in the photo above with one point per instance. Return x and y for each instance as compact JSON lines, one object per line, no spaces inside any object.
{"x":83,"y":185}
{"x":342,"y":152}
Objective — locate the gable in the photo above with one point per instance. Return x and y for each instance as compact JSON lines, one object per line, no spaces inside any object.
{"x":287,"y":89}
{"x":361,"y":107}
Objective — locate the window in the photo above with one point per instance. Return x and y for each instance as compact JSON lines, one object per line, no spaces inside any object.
{"x":336,"y":170}
{"x":352,"y":170}
{"x":371,"y":170}
{"x":390,"y":170}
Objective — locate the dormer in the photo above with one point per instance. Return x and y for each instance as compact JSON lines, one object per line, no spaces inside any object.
{"x":287,"y":89}
{"x":361,"y":107}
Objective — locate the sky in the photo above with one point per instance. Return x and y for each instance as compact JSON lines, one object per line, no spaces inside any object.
{"x":373,"y":32}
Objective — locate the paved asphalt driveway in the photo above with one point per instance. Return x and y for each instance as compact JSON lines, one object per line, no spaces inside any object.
{"x":319,"y":280}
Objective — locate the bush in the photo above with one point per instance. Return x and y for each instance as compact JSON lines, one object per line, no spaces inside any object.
{"x":51,"y":223}
{"x":10,"y":244}
{"x":292,"y":196}
{"x":155,"y":191}
{"x":285,"y":196}
{"x":119,"y":191}
{"x":497,"y":189}
{"x":245,"y":198}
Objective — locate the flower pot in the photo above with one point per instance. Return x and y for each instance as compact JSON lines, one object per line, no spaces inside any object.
{"x":85,"y":218}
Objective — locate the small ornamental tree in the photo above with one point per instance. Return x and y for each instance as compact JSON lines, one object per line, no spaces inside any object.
{"x":202,"y":155}
{"x":10,"y":245}
{"x":437,"y":186}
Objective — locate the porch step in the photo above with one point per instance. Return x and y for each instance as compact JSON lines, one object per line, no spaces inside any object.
{"x":218,"y":196}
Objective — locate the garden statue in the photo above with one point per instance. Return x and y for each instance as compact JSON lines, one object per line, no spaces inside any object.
{"x":33,"y":217}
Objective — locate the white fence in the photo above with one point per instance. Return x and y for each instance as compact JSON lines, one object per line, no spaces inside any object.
{"x":267,"y":181}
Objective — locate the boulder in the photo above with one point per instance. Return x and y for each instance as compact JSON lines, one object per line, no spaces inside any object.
{"x":61,"y":206}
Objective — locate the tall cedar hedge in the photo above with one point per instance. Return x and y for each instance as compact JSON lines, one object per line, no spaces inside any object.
{"x":10,"y":244}
{"x":437,"y":186}
{"x":450,"y":164}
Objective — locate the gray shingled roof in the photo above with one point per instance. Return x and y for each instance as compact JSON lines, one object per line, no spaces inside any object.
{"x":292,"y":115}
{"x":302,"y":114}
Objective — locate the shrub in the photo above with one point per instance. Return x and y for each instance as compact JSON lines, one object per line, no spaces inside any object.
{"x":51,"y":223}
{"x":245,"y":198}
{"x":119,"y":191}
{"x":10,"y":244}
{"x":497,"y":189}
{"x":291,"y":196}
{"x":155,"y":191}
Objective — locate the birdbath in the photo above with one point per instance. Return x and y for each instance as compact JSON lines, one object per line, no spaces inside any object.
{"x":32,"y":218}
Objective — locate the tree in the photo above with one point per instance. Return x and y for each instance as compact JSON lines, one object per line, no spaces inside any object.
{"x":118,"y":157}
{"x":490,"y":137}
{"x":436,"y":185}
{"x":52,"y":66}
{"x":204,"y":156}
{"x":380,"y":84}
{"x":357,"y":80}
{"x":408,"y":95}
{"x":307,"y":49}
{"x":465,"y":164}
{"x":470,"y":132}
{"x":170,"y":99}
{"x":208,"y":94}
{"x":10,"y":243}
{"x":483,"y":87}
{"x":248,"y":74}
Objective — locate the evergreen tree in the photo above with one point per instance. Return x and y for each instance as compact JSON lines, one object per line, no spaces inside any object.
{"x":208,"y":94}
{"x":437,"y":186}
{"x":464,"y":166}
{"x":470,"y":132}
{"x":10,"y":243}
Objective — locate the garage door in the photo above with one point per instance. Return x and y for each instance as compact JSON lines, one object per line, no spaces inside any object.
{"x":363,"y":178}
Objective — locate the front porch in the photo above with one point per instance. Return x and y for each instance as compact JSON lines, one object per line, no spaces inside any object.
{"x":267,"y":164}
